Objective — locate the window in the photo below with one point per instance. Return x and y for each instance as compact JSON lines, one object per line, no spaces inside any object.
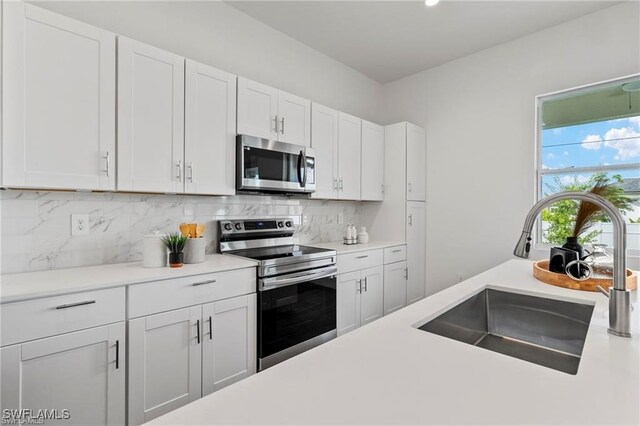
{"x":586,"y":135}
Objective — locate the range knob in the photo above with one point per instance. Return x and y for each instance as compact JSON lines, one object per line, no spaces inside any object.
{"x":227,"y":226}
{"x":289,"y":224}
{"x":280,"y":224}
{"x":238,"y":226}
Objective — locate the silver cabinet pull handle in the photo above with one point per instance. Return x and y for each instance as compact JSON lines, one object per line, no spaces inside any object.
{"x":396,"y":251}
{"x":73,"y":305}
{"x":210,"y":328}
{"x":341,"y":184}
{"x":275,"y":126}
{"x":203,"y":283}
{"x":190,"y":167}
{"x":335,"y":183}
{"x":365,"y":283}
{"x":179,"y":166}
{"x":411,"y":220}
{"x":362,"y":257}
{"x":198,"y":331}
{"x":359,"y":289}
{"x":117,"y":354}
{"x":406,"y":273}
{"x":282,"y":125}
{"x":107,"y":158}
{"x":382,"y":188}
{"x":410,"y":187}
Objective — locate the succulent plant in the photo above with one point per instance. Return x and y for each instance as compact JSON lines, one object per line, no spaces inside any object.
{"x":175,"y":242}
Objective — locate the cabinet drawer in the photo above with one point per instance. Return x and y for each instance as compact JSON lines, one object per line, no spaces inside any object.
{"x":35,"y":319}
{"x":350,"y":262}
{"x":159,"y":296}
{"x":395,"y":254}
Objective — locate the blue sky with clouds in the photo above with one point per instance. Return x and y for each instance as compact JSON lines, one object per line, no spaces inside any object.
{"x":603,"y":143}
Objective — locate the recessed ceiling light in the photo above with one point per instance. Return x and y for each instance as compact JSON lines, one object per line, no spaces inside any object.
{"x":431,"y":2}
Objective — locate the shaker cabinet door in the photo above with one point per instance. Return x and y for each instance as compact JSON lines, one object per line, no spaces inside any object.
{"x":395,"y":287}
{"x":294,"y":115}
{"x":372,"y":162}
{"x":257,"y":109}
{"x":416,"y":250}
{"x":349,"y":152}
{"x":416,"y":163}
{"x":150,"y":118}
{"x":82,"y":372}
{"x":348,"y":302}
{"x":229,"y":345}
{"x":58,"y":101}
{"x":324,"y":141}
{"x":371,"y":305}
{"x":210,"y":130}
{"x":164,"y":362}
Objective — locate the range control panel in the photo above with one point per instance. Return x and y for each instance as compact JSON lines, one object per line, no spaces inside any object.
{"x":246,"y":226}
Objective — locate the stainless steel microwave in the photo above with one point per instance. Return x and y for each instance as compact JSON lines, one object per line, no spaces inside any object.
{"x":264,"y":165}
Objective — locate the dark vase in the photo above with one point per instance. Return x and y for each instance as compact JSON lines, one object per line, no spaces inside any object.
{"x":176,"y":260}
{"x":572,"y":244}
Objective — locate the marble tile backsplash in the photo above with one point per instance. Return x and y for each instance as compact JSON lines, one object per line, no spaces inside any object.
{"x":36,"y":225}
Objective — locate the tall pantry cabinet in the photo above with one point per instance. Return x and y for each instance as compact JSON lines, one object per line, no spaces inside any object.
{"x":403,"y":212}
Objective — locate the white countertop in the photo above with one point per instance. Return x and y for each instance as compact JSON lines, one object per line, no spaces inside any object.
{"x":340,"y":247}
{"x":389,"y":372}
{"x":31,"y":285}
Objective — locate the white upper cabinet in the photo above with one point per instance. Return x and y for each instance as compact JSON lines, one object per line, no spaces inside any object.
{"x":257,"y":109}
{"x":150,"y":118}
{"x":294,"y":115}
{"x":324,"y":140}
{"x":416,"y":163}
{"x":270,"y":113}
{"x":349,"y":152}
{"x":372,"y":180}
{"x":58,"y":102}
{"x":210,"y":130}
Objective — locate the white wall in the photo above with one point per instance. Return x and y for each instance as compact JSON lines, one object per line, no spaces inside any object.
{"x":479,"y":115}
{"x":216,"y":34}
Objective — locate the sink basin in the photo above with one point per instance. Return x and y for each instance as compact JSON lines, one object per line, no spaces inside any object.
{"x":543,"y":331}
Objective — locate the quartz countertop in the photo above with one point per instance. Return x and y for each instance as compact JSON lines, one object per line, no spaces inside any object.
{"x":340,"y":247}
{"x":389,"y":372}
{"x":32,"y":285}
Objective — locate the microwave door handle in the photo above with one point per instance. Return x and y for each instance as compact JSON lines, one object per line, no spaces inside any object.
{"x":304,"y":167}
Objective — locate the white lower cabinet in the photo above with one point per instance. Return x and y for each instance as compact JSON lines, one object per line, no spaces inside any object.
{"x":359,"y":298}
{"x":79,"y":374}
{"x":229,"y":347}
{"x":164,"y":363}
{"x":416,"y":250}
{"x":178,"y":356}
{"x":395,"y":287}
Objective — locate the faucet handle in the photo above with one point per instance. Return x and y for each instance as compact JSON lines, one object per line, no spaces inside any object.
{"x":602,"y":290}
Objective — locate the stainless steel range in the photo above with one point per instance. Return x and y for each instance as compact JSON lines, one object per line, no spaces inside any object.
{"x":296,"y":286}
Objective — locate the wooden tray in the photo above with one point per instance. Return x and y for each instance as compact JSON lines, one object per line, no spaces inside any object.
{"x":542,"y":273}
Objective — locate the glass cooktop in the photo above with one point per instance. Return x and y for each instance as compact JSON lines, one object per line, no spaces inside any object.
{"x":268,"y":253}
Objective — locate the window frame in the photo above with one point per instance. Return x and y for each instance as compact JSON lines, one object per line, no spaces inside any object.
{"x":540,"y":173}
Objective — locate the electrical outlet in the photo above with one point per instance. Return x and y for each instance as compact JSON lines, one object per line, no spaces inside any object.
{"x":79,"y":224}
{"x":340,"y":218}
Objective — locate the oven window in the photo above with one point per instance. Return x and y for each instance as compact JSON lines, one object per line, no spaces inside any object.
{"x":296,"y":313}
{"x":265,"y":164}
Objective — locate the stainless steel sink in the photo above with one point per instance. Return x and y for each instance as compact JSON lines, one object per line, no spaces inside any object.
{"x":543,"y":331}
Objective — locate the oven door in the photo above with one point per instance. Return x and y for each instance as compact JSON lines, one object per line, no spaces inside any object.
{"x":296,"y":312}
{"x":266,"y":165}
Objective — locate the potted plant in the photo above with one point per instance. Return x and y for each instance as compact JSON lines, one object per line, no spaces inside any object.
{"x":588,"y":213}
{"x":175,"y":242}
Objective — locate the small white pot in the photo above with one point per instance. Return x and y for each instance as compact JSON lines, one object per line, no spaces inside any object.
{"x":194,"y":251}
{"x":154,"y":252}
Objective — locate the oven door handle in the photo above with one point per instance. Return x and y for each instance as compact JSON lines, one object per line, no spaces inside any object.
{"x":291,"y":279}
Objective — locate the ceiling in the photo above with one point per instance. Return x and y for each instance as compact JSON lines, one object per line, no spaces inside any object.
{"x":388,"y":40}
